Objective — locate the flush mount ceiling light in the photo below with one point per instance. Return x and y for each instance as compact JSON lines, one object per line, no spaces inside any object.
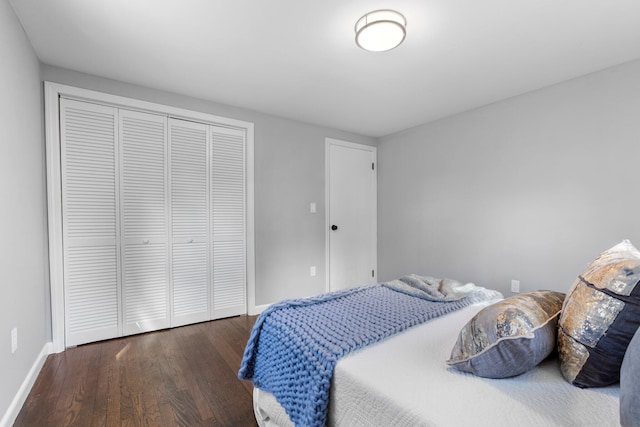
{"x":380,"y":30}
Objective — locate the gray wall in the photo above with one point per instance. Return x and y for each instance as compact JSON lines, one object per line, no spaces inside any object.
{"x":23,"y":256}
{"x":530,"y":188}
{"x":289,"y":174}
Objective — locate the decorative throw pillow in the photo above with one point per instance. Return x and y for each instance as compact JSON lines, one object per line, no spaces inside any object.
{"x":630,"y":384}
{"x":509,"y":337}
{"x":599,"y":317}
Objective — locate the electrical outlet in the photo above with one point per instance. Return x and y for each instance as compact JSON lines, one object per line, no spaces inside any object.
{"x":515,"y":286}
{"x":312,"y":270}
{"x":312,"y":207}
{"x":14,"y":340}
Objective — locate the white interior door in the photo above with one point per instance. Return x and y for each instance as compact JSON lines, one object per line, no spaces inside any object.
{"x":228,"y":222}
{"x":351,"y":214}
{"x":88,"y":135}
{"x":143,"y":200}
{"x":191,"y":269}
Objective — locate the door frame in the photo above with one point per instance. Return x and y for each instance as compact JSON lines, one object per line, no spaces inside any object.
{"x":374,"y":232}
{"x":52,"y":93}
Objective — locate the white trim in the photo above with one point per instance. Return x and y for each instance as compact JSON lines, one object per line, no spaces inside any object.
{"x":250,"y":225}
{"x":327,"y":211}
{"x":54,"y":210}
{"x":144,"y":106}
{"x":258,"y":309}
{"x":53,"y":91}
{"x":328,"y":143}
{"x":13,"y":410}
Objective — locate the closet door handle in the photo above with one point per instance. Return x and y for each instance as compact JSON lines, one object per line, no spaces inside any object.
{"x":145,"y":241}
{"x":334,"y":227}
{"x":189,"y":240}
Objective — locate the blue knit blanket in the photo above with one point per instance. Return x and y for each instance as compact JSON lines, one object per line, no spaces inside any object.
{"x":295,"y":344}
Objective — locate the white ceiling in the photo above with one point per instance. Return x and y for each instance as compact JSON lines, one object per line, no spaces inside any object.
{"x":297,"y":58}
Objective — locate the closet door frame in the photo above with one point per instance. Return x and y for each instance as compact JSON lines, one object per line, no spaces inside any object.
{"x":53,"y":92}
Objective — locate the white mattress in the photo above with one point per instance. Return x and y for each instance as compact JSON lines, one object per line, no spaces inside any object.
{"x":404,"y":380}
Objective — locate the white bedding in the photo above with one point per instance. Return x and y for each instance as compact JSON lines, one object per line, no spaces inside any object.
{"x":404,"y":380}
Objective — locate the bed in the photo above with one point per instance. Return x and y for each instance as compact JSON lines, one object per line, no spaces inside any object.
{"x":404,"y":380}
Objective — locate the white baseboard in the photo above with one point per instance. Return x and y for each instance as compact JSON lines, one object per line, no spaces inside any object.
{"x":258,"y":309}
{"x":10,"y":416}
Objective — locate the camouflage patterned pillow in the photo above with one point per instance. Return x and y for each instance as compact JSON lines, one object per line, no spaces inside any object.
{"x":599,"y":317}
{"x":509,"y":337}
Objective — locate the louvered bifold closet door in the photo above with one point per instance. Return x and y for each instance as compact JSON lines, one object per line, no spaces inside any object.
{"x":228,"y":221}
{"x":145,"y":226}
{"x":189,"y":221}
{"x":90,"y":221}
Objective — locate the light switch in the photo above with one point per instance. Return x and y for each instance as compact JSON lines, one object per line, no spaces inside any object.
{"x":312,"y":207}
{"x":312,"y":270}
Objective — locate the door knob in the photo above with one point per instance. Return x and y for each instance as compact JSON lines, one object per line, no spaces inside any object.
{"x":334,"y":227}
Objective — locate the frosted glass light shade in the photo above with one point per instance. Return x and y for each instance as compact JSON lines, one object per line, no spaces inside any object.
{"x":380,"y":30}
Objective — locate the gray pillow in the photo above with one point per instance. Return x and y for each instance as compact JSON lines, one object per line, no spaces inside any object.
{"x":509,"y":337}
{"x":630,"y":384}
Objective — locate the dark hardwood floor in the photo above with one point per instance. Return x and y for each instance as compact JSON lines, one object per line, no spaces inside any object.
{"x":185,"y":376}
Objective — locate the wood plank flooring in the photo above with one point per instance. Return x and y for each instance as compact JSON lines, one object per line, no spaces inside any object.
{"x":184,"y":376}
